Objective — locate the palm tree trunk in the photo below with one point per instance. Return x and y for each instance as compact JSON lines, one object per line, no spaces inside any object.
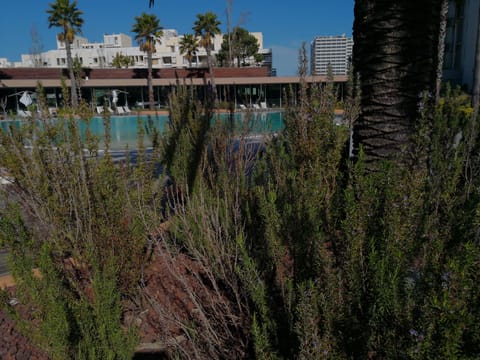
{"x":212,"y":77}
{"x":229,"y":11}
{"x":73,"y":80}
{"x":150,"y":81}
{"x":395,"y":54}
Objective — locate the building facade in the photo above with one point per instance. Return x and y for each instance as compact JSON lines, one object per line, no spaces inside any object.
{"x":331,"y":51}
{"x":101,"y":54}
{"x":241,"y":86}
{"x":461,"y":42}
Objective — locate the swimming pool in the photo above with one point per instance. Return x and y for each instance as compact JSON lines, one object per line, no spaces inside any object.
{"x":124,"y":129}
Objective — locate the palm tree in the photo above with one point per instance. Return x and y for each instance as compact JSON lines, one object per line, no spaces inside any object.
{"x":395,"y":54}
{"x":206,"y":27}
{"x":147,"y":28}
{"x":66,"y":16}
{"x":189,"y":47}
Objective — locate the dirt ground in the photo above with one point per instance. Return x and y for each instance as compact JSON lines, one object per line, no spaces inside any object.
{"x":175,"y":293}
{"x":13,"y":345}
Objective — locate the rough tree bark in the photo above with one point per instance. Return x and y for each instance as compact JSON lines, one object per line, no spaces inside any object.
{"x":73,"y":80}
{"x":396,"y":54}
{"x":151,"y":98}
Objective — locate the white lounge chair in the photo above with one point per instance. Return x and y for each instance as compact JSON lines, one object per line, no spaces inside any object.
{"x":23,"y":113}
{"x":100,"y":110}
{"x":120,"y":110}
{"x":109,"y":109}
{"x":127,"y":109}
{"x":256,"y":107}
{"x":263,"y":105}
{"x":243,"y":107}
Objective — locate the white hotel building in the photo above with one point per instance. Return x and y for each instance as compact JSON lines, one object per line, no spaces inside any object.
{"x":334,"y":51}
{"x":100,"y":55}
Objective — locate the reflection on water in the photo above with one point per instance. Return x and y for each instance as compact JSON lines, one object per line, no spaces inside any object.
{"x":124,"y":129}
{"x":258,"y":123}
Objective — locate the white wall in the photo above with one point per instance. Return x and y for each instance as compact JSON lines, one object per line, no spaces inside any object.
{"x":100,"y":55}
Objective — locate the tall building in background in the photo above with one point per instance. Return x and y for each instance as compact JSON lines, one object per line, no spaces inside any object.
{"x":461,"y":42}
{"x":334,"y":51}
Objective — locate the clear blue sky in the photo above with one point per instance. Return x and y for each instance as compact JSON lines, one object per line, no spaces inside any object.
{"x":285,"y":24}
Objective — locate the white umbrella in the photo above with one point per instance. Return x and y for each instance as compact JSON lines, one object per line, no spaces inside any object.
{"x":114,"y":97}
{"x":26,"y":99}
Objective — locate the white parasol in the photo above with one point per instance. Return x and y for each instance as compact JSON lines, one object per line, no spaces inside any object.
{"x":114,"y":97}
{"x":26,"y":99}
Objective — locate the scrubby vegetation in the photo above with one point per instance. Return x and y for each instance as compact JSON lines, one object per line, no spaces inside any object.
{"x":308,"y":255}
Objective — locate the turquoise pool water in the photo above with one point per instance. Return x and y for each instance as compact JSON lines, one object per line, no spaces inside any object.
{"x":124,"y":129}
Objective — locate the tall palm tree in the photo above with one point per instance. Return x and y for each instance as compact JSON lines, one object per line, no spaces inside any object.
{"x":206,"y":27}
{"x":396,"y":55}
{"x":65,"y":15}
{"x":189,"y":47}
{"x":147,"y":29}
